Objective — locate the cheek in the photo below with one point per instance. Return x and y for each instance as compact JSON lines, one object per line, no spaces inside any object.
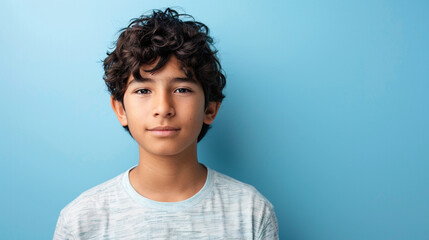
{"x":198,"y":112}
{"x":136,"y":114}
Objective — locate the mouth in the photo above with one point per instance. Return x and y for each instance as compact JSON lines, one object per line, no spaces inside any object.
{"x":164,"y":131}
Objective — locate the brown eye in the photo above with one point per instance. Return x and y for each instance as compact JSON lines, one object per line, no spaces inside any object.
{"x":183,"y":90}
{"x":143,"y":91}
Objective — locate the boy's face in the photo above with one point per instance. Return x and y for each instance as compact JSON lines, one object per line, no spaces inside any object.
{"x":165,"y":112}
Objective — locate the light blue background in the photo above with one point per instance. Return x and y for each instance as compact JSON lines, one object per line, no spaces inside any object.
{"x":326,"y":111}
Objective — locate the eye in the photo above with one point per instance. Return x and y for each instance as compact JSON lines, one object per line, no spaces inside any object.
{"x":183,"y":90}
{"x":143,"y":91}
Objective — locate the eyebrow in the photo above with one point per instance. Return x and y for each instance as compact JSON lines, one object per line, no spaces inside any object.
{"x":174,"y":80}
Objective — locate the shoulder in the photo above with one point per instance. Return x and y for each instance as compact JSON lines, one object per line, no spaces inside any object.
{"x":251,"y":205}
{"x":241,"y":191}
{"x":90,"y":210}
{"x":93,"y":199}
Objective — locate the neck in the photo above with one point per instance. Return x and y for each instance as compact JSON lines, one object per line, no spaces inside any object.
{"x":170,"y":178}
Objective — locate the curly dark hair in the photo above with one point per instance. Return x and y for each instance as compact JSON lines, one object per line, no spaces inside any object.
{"x":159,"y":35}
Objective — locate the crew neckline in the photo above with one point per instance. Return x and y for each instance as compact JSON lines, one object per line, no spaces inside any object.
{"x":168,"y":206}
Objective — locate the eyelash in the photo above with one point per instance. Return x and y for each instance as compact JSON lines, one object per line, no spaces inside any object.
{"x":140,"y":90}
{"x":146,"y":91}
{"x":187,"y":90}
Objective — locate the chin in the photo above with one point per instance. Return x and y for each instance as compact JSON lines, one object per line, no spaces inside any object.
{"x":166,"y":149}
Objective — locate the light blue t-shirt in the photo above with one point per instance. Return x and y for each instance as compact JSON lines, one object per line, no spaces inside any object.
{"x":224,"y":208}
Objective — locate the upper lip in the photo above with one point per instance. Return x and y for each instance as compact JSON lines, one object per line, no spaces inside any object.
{"x":164,"y":128}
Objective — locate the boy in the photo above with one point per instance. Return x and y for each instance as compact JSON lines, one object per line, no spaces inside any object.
{"x":166,"y":89}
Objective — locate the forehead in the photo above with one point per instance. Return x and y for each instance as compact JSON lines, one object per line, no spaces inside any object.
{"x":173,"y":69}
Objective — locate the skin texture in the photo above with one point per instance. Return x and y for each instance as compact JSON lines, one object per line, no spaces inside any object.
{"x":168,"y":169}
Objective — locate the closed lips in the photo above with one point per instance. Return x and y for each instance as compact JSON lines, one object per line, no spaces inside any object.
{"x":167,"y":128}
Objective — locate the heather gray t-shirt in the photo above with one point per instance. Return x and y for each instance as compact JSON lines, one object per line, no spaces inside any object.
{"x":223,"y":209}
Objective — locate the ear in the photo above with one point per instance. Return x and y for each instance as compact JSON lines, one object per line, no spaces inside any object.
{"x":211,"y":112}
{"x":119,"y":110}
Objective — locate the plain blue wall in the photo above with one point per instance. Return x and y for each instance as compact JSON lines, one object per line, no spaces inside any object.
{"x":326,"y":111}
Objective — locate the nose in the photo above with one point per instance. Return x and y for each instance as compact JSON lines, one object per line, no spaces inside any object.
{"x":163,"y":106}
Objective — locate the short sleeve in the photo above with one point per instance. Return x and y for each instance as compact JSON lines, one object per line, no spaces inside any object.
{"x":61,"y":231}
{"x":270,"y":229}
